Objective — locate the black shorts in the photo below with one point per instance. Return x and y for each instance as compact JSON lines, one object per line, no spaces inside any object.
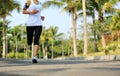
{"x":33,"y":32}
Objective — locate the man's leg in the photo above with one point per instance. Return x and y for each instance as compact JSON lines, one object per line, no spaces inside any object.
{"x":30,"y":32}
{"x":36,"y":48}
{"x":38,"y":31}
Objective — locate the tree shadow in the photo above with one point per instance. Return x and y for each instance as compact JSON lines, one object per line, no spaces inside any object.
{"x":32,"y":72}
{"x":106,"y":68}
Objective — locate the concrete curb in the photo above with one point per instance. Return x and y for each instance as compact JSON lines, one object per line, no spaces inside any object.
{"x":107,"y":57}
{"x":117,"y":57}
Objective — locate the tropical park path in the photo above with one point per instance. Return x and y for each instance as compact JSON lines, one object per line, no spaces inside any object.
{"x":19,"y":67}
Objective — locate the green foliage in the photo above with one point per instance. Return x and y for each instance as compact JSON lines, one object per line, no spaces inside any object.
{"x":21,"y":55}
{"x":40,"y":54}
{"x":6,"y":6}
{"x":112,"y":46}
{"x":66,"y":5}
{"x":80,"y":46}
{"x":13,"y":55}
{"x":91,"y":49}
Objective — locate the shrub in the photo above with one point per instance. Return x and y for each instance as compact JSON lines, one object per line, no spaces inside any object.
{"x":13,"y":55}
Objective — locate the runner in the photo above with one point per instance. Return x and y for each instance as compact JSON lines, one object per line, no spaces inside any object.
{"x":34,"y":25}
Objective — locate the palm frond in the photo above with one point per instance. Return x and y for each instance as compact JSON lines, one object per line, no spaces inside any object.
{"x":52,"y":3}
{"x":8,"y":6}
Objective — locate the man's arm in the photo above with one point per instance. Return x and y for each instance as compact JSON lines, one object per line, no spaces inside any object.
{"x":30,"y":12}
{"x":25,"y":11}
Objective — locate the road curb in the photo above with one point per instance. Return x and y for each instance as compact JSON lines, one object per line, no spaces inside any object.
{"x":106,"y":57}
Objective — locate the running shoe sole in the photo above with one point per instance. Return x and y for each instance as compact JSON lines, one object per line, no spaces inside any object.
{"x":34,"y":61}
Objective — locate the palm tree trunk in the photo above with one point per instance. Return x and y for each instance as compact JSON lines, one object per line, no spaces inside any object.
{"x":103,"y":41}
{"x":74,"y":34}
{"x":102,"y":33}
{"x":24,"y":51}
{"x":85,"y":28}
{"x":46,"y":55}
{"x":4,"y":38}
{"x":94,"y":32}
{"x":16,"y":47}
{"x":27,"y":49}
{"x":43,"y":48}
{"x":52,"y":50}
{"x":95,"y":42}
{"x":118,"y":37}
{"x":32,"y":50}
{"x":62,"y":51}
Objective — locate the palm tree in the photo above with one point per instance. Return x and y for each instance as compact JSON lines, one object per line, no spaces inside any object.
{"x":115,"y":23}
{"x":70,"y":6}
{"x":90,"y":11}
{"x":69,"y":43}
{"x":44,"y":39}
{"x":16,"y":35}
{"x":6,"y":6}
{"x":53,"y":35}
{"x":102,"y":7}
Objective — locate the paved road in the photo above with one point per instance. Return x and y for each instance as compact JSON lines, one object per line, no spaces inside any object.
{"x":10,"y":67}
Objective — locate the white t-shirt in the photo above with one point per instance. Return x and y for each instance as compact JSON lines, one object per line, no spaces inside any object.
{"x":34,"y":19}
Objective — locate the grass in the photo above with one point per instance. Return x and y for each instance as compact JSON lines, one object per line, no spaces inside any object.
{"x":117,"y":52}
{"x":102,"y":53}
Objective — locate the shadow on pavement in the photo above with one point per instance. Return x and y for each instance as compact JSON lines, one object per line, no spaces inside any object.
{"x":23,"y":62}
{"x":106,"y":68}
{"x":6,"y":74}
{"x":32,"y":72}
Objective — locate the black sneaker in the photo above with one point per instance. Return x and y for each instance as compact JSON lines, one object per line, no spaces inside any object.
{"x":34,"y":60}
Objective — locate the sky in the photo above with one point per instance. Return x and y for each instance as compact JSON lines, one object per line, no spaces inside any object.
{"x":53,"y":17}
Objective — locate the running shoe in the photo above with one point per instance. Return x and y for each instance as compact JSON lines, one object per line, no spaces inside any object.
{"x":34,"y":59}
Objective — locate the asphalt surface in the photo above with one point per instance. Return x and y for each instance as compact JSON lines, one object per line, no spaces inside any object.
{"x":13,"y":67}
